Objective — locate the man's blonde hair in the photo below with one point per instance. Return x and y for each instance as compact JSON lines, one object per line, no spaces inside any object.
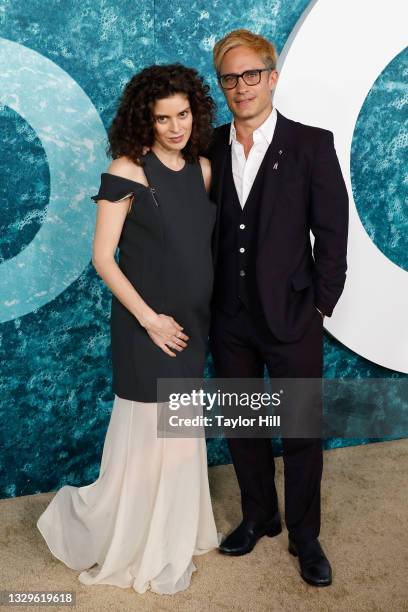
{"x":245,"y":38}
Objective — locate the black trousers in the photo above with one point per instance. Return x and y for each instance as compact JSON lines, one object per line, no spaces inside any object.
{"x":241,"y":346}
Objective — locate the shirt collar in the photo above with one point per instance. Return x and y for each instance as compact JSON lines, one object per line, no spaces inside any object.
{"x":264,"y":131}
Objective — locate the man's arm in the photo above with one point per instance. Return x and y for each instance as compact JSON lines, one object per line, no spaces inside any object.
{"x":329,"y":224}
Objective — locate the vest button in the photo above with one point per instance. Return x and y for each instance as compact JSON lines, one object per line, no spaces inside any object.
{"x":242,"y":272}
{"x":242,"y":250}
{"x":242,"y":226}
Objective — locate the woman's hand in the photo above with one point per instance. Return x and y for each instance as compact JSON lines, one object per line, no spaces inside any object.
{"x":166,"y":332}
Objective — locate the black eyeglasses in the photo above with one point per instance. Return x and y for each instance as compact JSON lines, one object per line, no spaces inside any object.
{"x":250,"y":77}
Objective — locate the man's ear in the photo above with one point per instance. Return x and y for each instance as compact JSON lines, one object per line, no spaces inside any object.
{"x":273,"y":79}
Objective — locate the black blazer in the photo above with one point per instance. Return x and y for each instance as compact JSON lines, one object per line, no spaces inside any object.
{"x":303,"y":190}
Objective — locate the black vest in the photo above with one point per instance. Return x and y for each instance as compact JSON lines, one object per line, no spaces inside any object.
{"x":235,"y":278}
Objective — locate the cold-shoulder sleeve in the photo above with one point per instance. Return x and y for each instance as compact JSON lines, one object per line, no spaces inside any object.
{"x":116,"y":188}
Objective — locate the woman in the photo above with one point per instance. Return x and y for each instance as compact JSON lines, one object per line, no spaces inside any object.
{"x":149,"y":511}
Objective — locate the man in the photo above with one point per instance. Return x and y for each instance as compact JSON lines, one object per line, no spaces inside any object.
{"x":274,"y":180}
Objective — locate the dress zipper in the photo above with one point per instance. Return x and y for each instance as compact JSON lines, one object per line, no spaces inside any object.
{"x":153,"y":191}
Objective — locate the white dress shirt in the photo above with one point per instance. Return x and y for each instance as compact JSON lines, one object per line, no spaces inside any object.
{"x":244,"y":170}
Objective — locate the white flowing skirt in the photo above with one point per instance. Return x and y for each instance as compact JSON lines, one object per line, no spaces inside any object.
{"x":139,"y":524}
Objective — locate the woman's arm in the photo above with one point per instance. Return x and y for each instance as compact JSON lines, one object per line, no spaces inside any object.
{"x":109,"y":223}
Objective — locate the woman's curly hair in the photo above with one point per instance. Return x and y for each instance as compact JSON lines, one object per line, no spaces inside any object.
{"x":132,"y":127}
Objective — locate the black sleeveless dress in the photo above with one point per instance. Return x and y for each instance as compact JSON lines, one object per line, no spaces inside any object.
{"x":165,"y":252}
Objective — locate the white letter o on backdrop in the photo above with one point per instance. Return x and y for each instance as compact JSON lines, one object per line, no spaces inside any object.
{"x":327,"y":67}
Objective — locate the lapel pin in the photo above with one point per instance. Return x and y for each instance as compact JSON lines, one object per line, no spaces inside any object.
{"x":280,"y":151}
{"x":275,"y":167}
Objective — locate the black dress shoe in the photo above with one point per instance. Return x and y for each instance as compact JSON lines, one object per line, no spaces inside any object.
{"x":242,"y":540}
{"x":314,"y":565}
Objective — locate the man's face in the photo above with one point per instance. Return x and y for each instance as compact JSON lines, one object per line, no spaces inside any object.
{"x":247,"y":101}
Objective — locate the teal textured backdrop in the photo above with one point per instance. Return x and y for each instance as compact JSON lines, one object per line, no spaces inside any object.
{"x":56,"y":370}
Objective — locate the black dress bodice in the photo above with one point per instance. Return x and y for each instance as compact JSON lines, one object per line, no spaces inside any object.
{"x":165,"y":252}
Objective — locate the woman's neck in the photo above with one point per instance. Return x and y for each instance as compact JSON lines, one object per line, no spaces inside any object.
{"x":172,"y":159}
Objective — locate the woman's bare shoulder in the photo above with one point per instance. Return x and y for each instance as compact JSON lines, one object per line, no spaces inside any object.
{"x":206,"y":170}
{"x":205,"y":162}
{"x":126,"y":168}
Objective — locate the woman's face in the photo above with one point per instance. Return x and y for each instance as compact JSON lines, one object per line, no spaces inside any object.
{"x":173,"y":122}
